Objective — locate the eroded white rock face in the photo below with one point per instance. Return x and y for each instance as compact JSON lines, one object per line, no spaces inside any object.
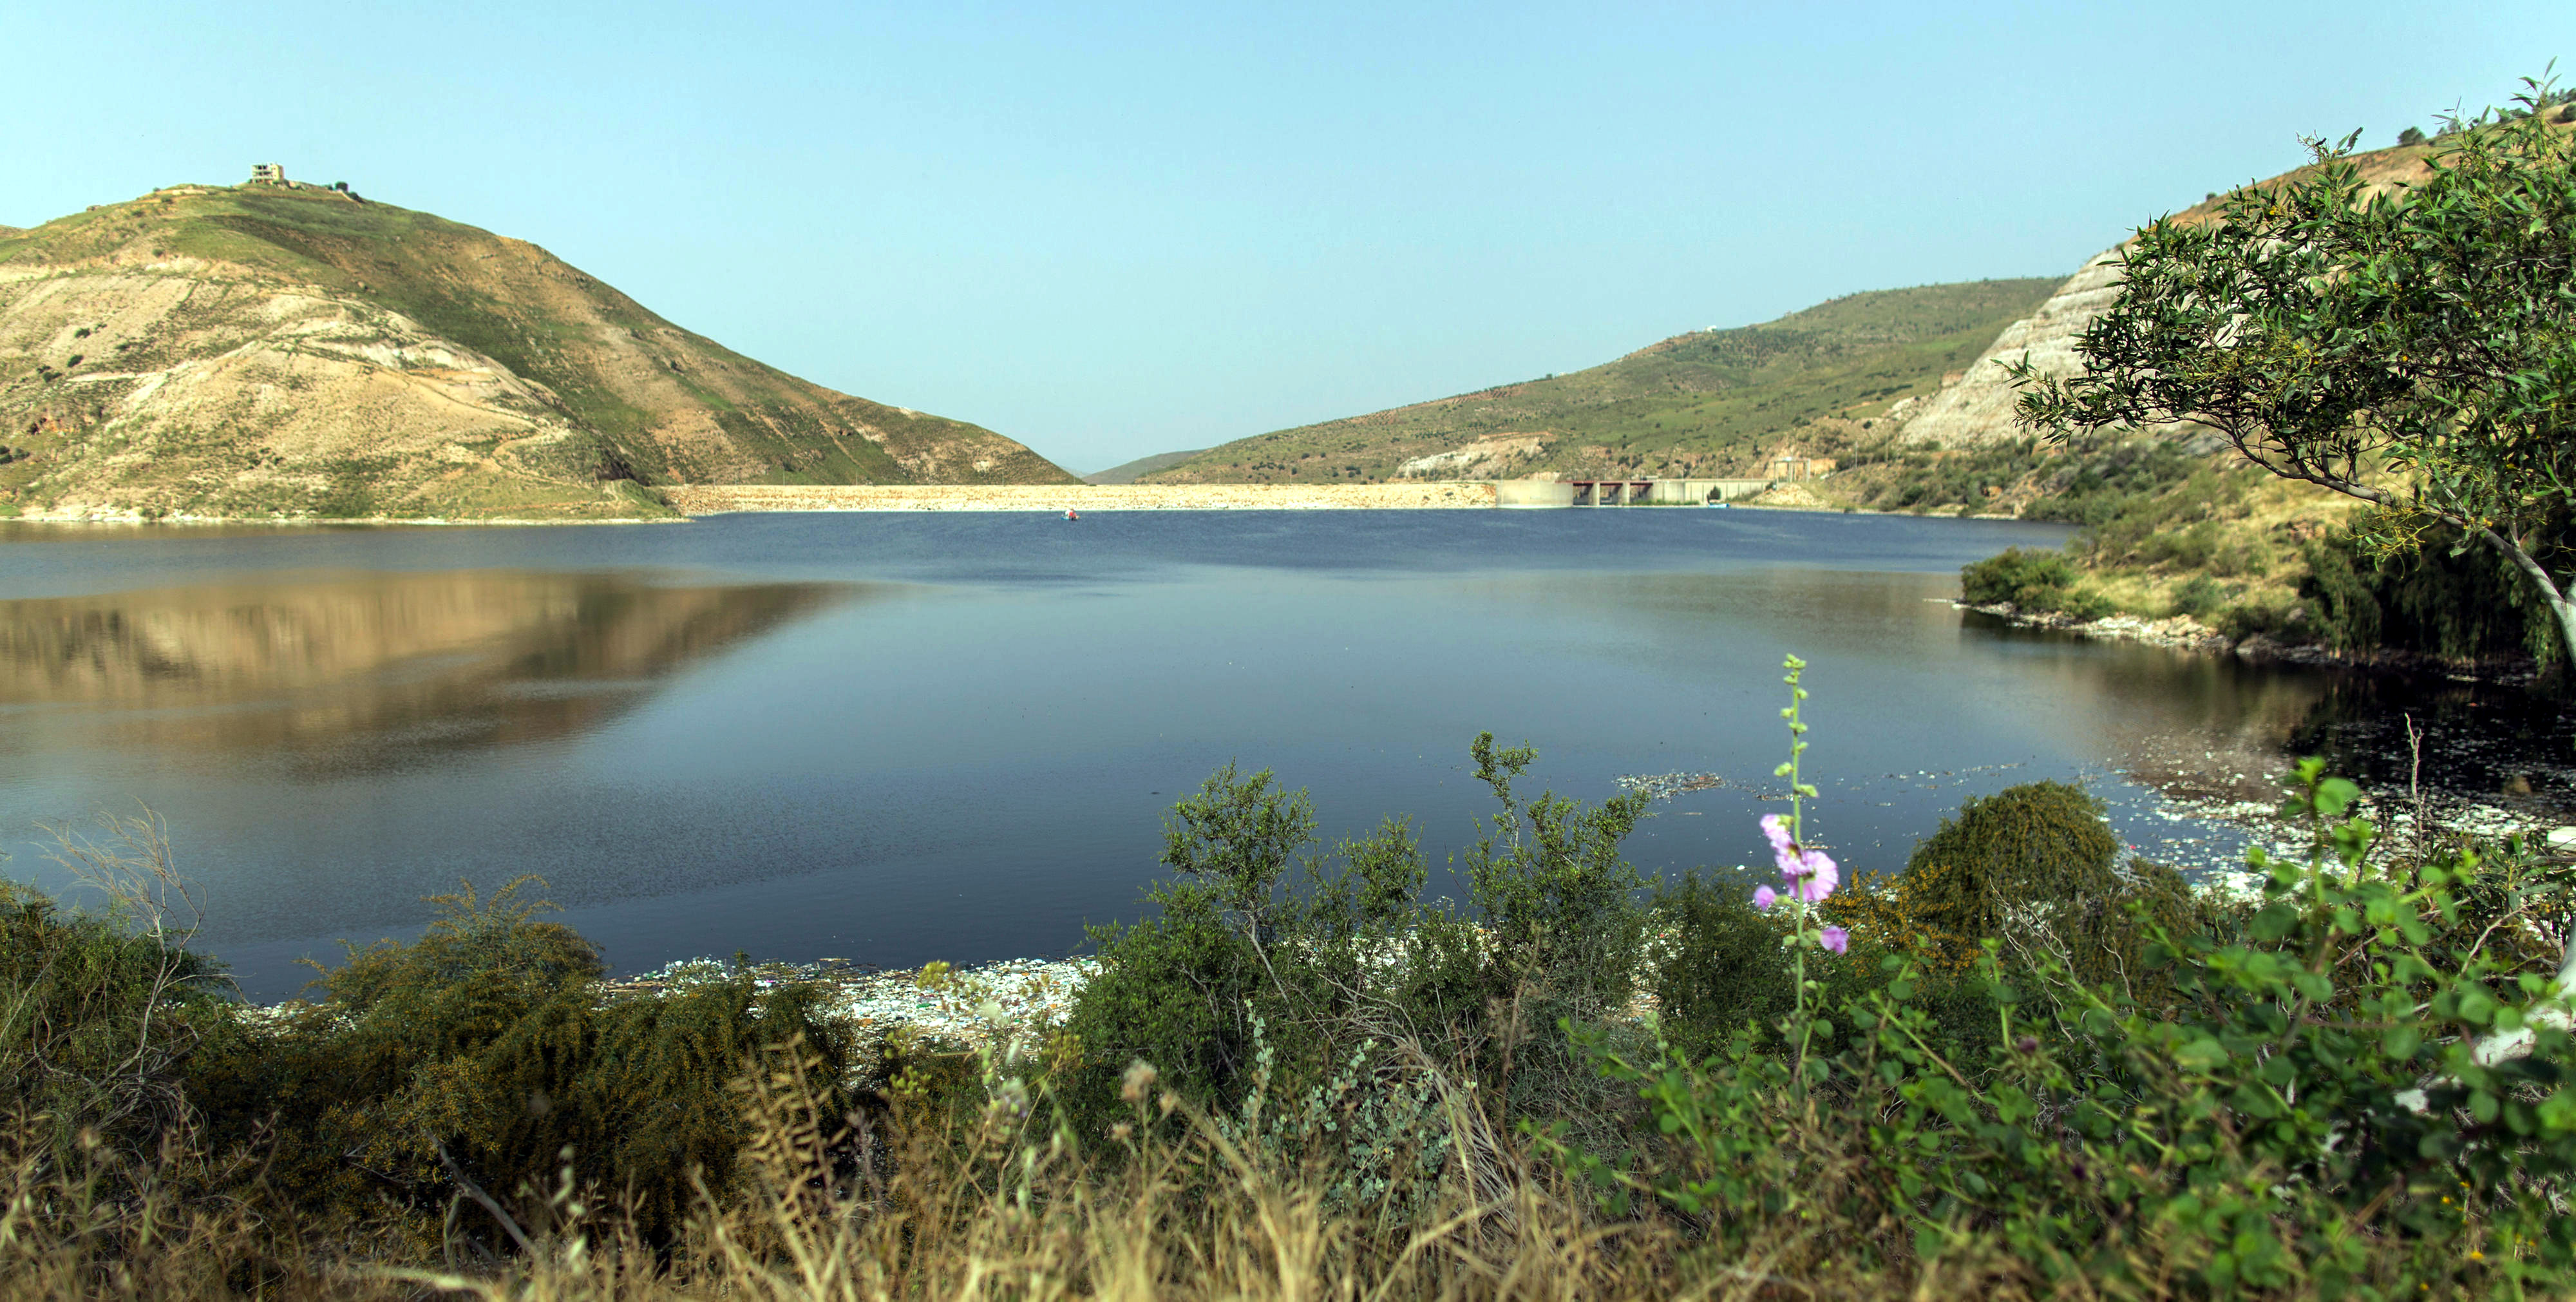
{"x":1979,"y":407}
{"x":1484,"y":458}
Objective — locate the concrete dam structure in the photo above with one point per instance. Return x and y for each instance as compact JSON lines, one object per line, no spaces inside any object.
{"x":1536,"y":493}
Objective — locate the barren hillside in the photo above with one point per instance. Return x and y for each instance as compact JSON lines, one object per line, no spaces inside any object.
{"x":267,"y":350}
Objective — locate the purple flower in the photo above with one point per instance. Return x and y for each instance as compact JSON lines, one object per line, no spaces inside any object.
{"x":1811,"y":874}
{"x":1836,"y":939}
{"x":1784,"y":851}
{"x":1777,"y":833}
{"x":1764,"y":897}
{"x":1816,"y":877}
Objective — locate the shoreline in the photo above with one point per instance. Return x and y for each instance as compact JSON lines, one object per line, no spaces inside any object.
{"x":2184,"y":633}
{"x":699,"y":501}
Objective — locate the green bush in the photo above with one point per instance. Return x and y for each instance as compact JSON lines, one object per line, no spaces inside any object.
{"x":2270,"y":617}
{"x":2034,"y":582}
{"x":2086,"y":605}
{"x":2199,"y":597}
{"x":485,"y":1056}
{"x":2460,"y":602}
{"x":2023,"y":578}
{"x":1724,"y":965}
{"x":2356,"y":1095}
{"x":2032,"y":869}
{"x":2037,"y":841}
{"x":96,"y":1025}
{"x":1267,"y":971}
{"x":101,"y":1013}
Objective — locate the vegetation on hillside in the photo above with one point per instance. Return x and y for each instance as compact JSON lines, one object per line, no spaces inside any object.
{"x":1126,"y":472}
{"x":263,"y":350}
{"x":1712,"y":403}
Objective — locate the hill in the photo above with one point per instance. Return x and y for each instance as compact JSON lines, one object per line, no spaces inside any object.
{"x":285,"y":350}
{"x":1979,"y":408}
{"x":1126,"y":473}
{"x":1712,"y":402}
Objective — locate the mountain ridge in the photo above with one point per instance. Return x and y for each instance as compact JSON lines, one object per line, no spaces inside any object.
{"x":1709,"y":402}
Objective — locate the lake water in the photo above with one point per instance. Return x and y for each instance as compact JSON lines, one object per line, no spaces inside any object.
{"x":891,"y":738}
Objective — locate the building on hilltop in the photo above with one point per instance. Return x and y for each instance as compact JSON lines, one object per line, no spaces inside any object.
{"x":271,"y":173}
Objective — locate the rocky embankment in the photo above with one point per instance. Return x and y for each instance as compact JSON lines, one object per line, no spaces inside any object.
{"x":714,"y":499}
{"x":2187,"y":633}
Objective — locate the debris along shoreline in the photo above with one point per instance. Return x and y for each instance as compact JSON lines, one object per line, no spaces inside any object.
{"x":2186,"y":633}
{"x":2201,"y":819}
{"x":956,"y":1007}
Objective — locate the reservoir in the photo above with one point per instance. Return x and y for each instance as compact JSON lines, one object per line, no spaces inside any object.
{"x":892,"y":737}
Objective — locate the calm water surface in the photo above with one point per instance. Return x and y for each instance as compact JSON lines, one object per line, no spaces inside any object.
{"x":891,"y":738}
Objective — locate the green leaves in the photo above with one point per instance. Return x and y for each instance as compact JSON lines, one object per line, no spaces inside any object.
{"x":2333,"y":330}
{"x":2312,"y":1113}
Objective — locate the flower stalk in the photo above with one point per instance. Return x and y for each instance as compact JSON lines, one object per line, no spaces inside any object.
{"x":1808,"y":875}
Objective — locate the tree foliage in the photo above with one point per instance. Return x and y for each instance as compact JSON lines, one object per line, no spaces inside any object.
{"x":2412,"y":347}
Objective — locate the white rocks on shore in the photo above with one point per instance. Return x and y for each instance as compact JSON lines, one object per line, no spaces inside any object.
{"x":2190,"y":634}
{"x":2175,"y":631}
{"x":959,"y":1006}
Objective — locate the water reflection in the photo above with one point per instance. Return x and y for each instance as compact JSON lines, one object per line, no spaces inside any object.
{"x":2185,"y":723}
{"x":335,"y":672}
{"x":2205,"y":726}
{"x":2175,"y":719}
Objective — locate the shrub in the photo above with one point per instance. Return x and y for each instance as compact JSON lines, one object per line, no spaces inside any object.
{"x":100,"y":1011}
{"x":1724,"y":969}
{"x":2354,"y":1095}
{"x":2199,"y":597}
{"x":482,"y":1057}
{"x":2436,"y":596}
{"x":2034,"y":583}
{"x":2029,"y":580}
{"x":2268,"y":617}
{"x":1268,"y":971}
{"x":2033,"y":868}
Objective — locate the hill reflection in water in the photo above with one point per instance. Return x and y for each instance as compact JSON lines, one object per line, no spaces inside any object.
{"x":332,"y":673}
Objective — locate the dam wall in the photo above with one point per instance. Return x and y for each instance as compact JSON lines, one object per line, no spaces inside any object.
{"x":713,"y":499}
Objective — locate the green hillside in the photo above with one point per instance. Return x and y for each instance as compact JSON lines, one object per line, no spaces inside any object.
{"x":1127,"y":472}
{"x":1713,"y":402}
{"x":289,"y":350}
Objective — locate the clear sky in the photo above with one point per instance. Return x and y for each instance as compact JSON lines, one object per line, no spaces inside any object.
{"x":1111,"y":231}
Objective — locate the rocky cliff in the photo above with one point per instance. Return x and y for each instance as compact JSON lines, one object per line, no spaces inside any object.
{"x":266,"y":351}
{"x":1977,"y":407}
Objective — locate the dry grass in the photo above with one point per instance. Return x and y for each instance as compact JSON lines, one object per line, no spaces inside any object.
{"x":980,"y":1206}
{"x":988,"y":1208}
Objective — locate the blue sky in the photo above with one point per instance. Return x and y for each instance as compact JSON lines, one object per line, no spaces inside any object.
{"x":1115,"y":231}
